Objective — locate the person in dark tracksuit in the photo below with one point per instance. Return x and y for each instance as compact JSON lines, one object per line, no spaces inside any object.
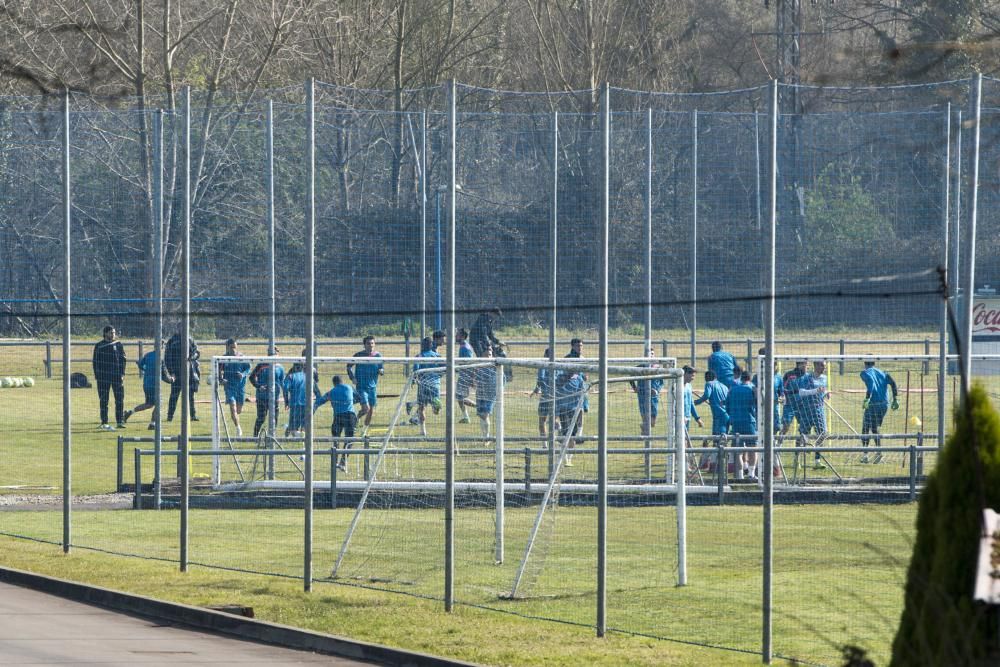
{"x":173,"y":359}
{"x":109,"y":372}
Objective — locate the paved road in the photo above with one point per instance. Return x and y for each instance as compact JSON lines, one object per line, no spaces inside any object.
{"x":41,"y":629}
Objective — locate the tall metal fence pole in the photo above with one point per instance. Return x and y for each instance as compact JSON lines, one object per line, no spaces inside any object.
{"x":554,"y":289}
{"x":767,"y":380}
{"x":680,"y":475}
{"x":423,"y":224}
{"x":500,"y":431}
{"x":186,"y":398}
{"x":956,"y":215}
{"x":694,"y":235}
{"x":449,"y":428}
{"x":943,"y":332}
{"x":602,"y":365}
{"x":649,"y":238}
{"x":310,"y":326}
{"x":272,"y":406}
{"x":158,"y":339}
{"x":970,"y":250}
{"x":67,"y":367}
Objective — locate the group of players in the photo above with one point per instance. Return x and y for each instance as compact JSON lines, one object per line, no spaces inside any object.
{"x":800,"y":396}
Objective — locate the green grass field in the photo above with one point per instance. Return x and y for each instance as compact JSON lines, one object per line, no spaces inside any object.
{"x":838,"y":568}
{"x":838,"y":572}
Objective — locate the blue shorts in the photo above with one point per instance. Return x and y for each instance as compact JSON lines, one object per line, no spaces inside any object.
{"x":368,"y":397}
{"x":150,"y":395}
{"x":483,"y":406}
{"x":787,"y":415}
{"x":720,"y":425}
{"x":428,"y":395}
{"x":748,"y":432}
{"x":236,"y":394}
{"x":654,"y":406}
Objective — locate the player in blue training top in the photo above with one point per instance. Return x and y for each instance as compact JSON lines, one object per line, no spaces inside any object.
{"x":811,"y":408}
{"x":543,"y":389}
{"x":777,"y":386}
{"x":234,"y":382}
{"x":261,"y":377}
{"x":150,"y":376}
{"x":877,"y":383}
{"x":294,"y":391}
{"x":486,"y":393}
{"x":428,"y":383}
{"x":648,"y":393}
{"x":722,"y":364}
{"x":466,"y":378}
{"x":790,"y":393}
{"x":342,"y":399}
{"x":571,"y":392}
{"x":365,"y":378}
{"x":741,"y":404}
{"x":715,"y":394}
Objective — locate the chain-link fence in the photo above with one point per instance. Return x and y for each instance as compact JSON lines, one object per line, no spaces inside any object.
{"x":492,"y":212}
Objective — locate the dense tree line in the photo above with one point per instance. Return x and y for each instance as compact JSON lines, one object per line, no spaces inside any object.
{"x":392,"y":55}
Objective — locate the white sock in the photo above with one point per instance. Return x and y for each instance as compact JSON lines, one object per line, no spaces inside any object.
{"x":484,"y":427}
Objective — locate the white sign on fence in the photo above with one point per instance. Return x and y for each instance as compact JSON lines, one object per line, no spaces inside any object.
{"x":988,"y":567}
{"x":985,"y":333}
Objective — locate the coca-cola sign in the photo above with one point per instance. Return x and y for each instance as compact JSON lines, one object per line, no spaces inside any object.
{"x":986,"y":317}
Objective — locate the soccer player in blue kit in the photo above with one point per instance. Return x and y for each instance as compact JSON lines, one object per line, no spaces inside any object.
{"x":342,"y":399}
{"x":877,"y":383}
{"x":811,"y":409}
{"x":234,"y":382}
{"x":715,"y":394}
{"x":741,"y":404}
{"x":722,"y":364}
{"x":365,"y":378}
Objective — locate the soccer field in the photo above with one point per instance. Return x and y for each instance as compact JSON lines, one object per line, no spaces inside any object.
{"x":838,"y":567}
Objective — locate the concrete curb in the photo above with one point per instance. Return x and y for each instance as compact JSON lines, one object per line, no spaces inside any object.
{"x":226,"y":624}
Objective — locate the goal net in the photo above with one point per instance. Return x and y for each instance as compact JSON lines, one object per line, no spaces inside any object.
{"x":526,"y":485}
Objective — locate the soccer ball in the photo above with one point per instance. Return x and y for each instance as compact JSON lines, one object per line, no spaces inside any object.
{"x":17,"y":382}
{"x":7,"y":382}
{"x":29,"y":382}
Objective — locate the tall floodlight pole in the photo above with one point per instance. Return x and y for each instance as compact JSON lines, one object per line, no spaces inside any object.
{"x":767,"y":380}
{"x":67,"y":330}
{"x":970,"y":244}
{"x":943,"y":332}
{"x":158,"y":277}
{"x":602,"y":365}
{"x":185,"y":379}
{"x":449,"y":423}
{"x":310,"y":323}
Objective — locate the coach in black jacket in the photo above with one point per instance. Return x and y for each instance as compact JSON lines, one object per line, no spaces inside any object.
{"x":109,"y":371}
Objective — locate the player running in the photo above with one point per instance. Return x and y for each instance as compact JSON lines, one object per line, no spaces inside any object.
{"x":342,"y":399}
{"x":234,"y":382}
{"x":150,"y":376}
{"x":877,"y":383}
{"x":365,"y":378}
{"x":428,"y":384}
